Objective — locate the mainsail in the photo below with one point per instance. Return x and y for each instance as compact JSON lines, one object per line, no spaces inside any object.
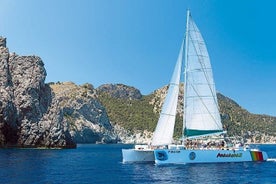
{"x":163,"y":134}
{"x":201,"y":111}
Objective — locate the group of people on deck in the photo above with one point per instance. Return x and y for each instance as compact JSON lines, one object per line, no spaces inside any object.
{"x":200,"y":144}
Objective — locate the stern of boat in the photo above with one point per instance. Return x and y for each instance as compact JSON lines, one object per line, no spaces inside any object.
{"x":258,"y":155}
{"x":134,"y":155}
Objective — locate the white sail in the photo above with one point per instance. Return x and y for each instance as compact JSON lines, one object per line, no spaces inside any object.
{"x":163,"y":134}
{"x":201,"y":113}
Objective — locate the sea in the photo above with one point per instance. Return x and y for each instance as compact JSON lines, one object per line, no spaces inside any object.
{"x":102,"y":163}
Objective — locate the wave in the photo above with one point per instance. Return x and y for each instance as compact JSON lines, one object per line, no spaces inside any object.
{"x":271,"y":159}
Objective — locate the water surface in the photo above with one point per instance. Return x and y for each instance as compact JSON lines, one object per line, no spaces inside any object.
{"x":103,"y":164}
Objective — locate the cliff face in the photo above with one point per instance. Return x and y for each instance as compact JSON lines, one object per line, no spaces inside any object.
{"x":29,"y":113}
{"x":87,"y":118}
{"x":8,"y":124}
{"x":35,"y":114}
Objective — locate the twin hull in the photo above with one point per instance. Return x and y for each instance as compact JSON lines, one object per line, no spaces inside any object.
{"x":174,"y":156}
{"x":134,"y":155}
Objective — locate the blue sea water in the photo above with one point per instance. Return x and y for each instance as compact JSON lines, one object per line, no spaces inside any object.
{"x":103,"y":164}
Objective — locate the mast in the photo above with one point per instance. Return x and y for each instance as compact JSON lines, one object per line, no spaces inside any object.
{"x":185,"y":76}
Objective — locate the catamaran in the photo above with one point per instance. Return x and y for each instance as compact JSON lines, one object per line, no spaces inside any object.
{"x":201,"y":117}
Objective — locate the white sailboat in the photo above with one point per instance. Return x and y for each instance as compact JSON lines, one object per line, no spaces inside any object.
{"x":201,"y":112}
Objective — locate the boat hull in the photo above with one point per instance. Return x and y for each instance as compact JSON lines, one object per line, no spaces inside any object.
{"x":174,"y":156}
{"x":134,"y":155}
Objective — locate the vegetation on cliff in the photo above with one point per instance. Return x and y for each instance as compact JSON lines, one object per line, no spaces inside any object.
{"x":132,"y":114}
{"x":142,"y":114}
{"x":238,"y":121}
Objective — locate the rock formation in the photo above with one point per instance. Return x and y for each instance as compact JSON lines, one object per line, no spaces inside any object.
{"x":87,"y":118}
{"x":8,"y":111}
{"x":29,"y":113}
{"x":120,"y":91}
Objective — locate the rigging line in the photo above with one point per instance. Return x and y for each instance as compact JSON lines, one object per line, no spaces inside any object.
{"x":204,"y":56}
{"x":200,"y":61}
{"x":201,"y":96}
{"x":196,"y":70}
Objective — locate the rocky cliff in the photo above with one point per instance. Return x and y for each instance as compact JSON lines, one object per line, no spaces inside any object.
{"x":87,"y":118}
{"x":35,"y":114}
{"x":29,"y":113}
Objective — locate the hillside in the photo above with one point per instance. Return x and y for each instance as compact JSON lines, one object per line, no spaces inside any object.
{"x":238,"y":121}
{"x":142,"y":114}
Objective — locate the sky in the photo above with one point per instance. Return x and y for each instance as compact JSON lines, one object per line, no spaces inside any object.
{"x":136,"y":42}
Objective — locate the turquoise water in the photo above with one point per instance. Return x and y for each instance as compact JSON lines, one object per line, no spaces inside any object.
{"x":102,"y":164}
